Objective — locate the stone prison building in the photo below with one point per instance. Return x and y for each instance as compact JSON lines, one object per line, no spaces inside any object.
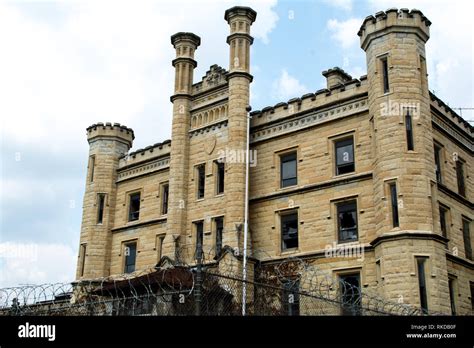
{"x":376,"y":162}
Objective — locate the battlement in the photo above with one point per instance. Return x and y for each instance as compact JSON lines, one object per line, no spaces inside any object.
{"x":336,"y":76}
{"x":394,"y":20}
{"x":109,"y":130}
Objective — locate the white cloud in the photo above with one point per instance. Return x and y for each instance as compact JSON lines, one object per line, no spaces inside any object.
{"x":32,"y":263}
{"x":345,"y":5}
{"x":287,"y":86}
{"x":345,"y":32}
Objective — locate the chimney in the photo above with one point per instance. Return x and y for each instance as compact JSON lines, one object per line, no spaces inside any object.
{"x":336,"y":76}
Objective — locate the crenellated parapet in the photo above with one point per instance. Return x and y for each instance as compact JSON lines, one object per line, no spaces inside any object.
{"x":114,"y":131}
{"x":396,"y":21}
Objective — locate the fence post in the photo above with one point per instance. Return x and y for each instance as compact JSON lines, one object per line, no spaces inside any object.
{"x":197,"y":289}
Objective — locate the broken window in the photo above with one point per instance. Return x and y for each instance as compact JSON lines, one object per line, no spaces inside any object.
{"x":134,"y":207}
{"x":164,"y":199}
{"x":347,"y":221}
{"x":350,"y":294}
{"x":289,"y":231}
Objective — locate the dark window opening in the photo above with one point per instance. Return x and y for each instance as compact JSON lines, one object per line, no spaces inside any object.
{"x":219,"y":225}
{"x":83,"y":257}
{"x":100,"y":208}
{"x":220,"y":177}
{"x":289,"y":231}
{"x":437,"y":156}
{"x":409,"y":131}
{"x":345,"y":156}
{"x":134,"y":207}
{"x":420,"y":262}
{"x":130,"y":251}
{"x":288,"y":170}
{"x":201,"y":173}
{"x":471,"y":285}
{"x":467,"y":238}
{"x":92,"y":167}
{"x":443,"y":221}
{"x":460,"y":177}
{"x":452,"y":295}
{"x":350,"y":294}
{"x":164,"y":199}
{"x":159,"y":246}
{"x":199,"y":227}
{"x":386,"y":86}
{"x":291,"y":298}
{"x":394,"y":200}
{"x":347,"y":221}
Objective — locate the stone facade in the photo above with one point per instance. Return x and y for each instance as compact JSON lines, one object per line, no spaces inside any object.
{"x":394,"y":122}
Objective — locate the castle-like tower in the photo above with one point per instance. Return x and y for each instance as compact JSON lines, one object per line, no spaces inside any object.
{"x":377,"y":163}
{"x":403,"y":167}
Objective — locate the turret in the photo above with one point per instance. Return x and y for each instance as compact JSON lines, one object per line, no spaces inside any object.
{"x":404,"y":182}
{"x":107,"y":143}
{"x":184,"y":64}
{"x":240,"y":20}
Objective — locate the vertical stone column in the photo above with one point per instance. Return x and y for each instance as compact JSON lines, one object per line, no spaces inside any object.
{"x":240,"y":20}
{"x":107,"y":143}
{"x":185,"y":45}
{"x":394,"y":42}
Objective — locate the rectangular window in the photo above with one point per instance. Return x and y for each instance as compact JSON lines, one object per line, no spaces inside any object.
{"x":471,"y":285}
{"x":386,"y":86}
{"x":452,"y":294}
{"x":201,"y":180}
{"x":466,"y":233}
{"x":91,"y":168}
{"x":82,"y":255}
{"x":164,"y":198}
{"x":130,"y":252}
{"x":288,"y":170}
{"x":350,"y":294}
{"x":347,"y":221}
{"x":199,"y":228}
{"x":289,"y":231}
{"x":219,"y":226}
{"x":134,"y":207}
{"x":345,"y":156}
{"x":420,"y":264}
{"x":394,"y":201}
{"x":159,"y":246}
{"x":220,"y":171}
{"x":100,"y":207}
{"x":409,"y":130}
{"x":291,"y":297}
{"x":460,"y":177}
{"x":437,"y":157}
{"x":443,"y":214}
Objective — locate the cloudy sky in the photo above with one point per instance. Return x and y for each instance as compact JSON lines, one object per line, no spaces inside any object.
{"x":67,"y":64}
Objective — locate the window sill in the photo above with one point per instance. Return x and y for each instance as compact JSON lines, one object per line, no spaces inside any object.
{"x":199,"y":199}
{"x":219,"y":195}
{"x":348,"y":242}
{"x":287,"y":187}
{"x":289,"y":251}
{"x":343,"y":175}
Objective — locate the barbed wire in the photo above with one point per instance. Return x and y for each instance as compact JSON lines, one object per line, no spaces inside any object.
{"x":292,"y":286}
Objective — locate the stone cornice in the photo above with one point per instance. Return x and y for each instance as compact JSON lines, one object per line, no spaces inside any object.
{"x":408,"y":235}
{"x":308,"y":119}
{"x":446,"y":126}
{"x":184,"y":60}
{"x":208,"y":128}
{"x":143,"y":168}
{"x":456,"y":196}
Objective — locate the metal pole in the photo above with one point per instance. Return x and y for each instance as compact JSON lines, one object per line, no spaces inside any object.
{"x":246,"y":213}
{"x":197,"y":290}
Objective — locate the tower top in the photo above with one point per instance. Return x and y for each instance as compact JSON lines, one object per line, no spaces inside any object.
{"x":108,"y":130}
{"x":394,"y":21}
{"x":240,"y":11}
{"x":184,"y":37}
